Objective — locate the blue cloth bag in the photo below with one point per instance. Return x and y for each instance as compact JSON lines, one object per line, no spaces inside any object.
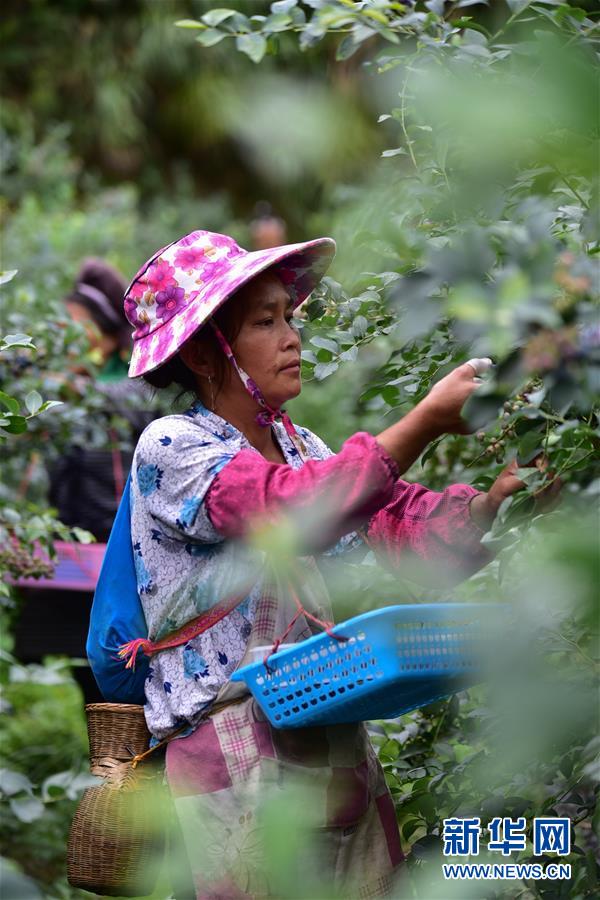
{"x":117,"y":616}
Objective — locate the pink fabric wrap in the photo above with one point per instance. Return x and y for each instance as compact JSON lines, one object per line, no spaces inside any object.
{"x":355,"y":484}
{"x":361,"y":484}
{"x":430,"y":527}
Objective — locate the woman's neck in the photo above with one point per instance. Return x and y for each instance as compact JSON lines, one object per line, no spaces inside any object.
{"x":241,"y":413}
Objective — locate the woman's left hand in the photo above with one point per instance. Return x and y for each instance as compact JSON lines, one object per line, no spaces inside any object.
{"x":484,"y":507}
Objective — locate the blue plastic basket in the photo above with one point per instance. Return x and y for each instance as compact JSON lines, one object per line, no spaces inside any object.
{"x":393,"y":660}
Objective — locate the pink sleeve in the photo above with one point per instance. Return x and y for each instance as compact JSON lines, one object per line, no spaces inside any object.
{"x":426,"y":527}
{"x":351,"y":485}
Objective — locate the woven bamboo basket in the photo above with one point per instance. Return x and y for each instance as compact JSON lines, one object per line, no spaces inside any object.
{"x":115,"y":843}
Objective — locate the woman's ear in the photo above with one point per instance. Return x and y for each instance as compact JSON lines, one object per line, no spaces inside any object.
{"x":194,"y":357}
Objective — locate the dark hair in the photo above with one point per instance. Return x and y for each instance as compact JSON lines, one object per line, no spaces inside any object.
{"x":100,"y":276}
{"x":229,"y":318}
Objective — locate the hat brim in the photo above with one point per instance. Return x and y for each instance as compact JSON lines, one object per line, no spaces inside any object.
{"x":157,"y":348}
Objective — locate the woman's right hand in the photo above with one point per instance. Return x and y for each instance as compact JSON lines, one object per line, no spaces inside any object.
{"x":442,"y":406}
{"x":439,"y":413}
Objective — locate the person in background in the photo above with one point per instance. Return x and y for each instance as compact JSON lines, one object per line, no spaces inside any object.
{"x":266,"y":229}
{"x":87,"y":481}
{"x":86,"y":484}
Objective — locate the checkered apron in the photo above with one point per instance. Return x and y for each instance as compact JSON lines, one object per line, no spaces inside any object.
{"x":239,"y":785}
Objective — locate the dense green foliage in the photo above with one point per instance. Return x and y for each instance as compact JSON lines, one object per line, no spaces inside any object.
{"x":474,"y":233}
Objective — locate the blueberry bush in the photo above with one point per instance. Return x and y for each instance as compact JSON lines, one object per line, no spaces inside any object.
{"x":475,"y":234}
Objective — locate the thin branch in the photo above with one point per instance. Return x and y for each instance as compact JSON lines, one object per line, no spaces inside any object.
{"x":570,"y":186}
{"x":510,"y":21}
{"x":403,"y":120}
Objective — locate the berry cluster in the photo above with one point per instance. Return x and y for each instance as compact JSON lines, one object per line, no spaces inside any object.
{"x":497,"y":445}
{"x":21,"y":563}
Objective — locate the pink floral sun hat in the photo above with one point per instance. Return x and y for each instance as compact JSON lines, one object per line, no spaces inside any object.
{"x":179,"y":288}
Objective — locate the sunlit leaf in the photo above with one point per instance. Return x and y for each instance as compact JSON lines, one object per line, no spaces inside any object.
{"x":325,"y":343}
{"x":397,"y":151}
{"x":214,"y":17}
{"x":253,"y":45}
{"x":33,"y":402}
{"x":346,"y":48}
{"x":12,"y":782}
{"x":82,"y":536}
{"x":210,"y":37}
{"x":283,"y":6}
{"x":275,"y":23}
{"x":359,"y":326}
{"x":189,"y":23}
{"x":27,"y":809}
{"x":16,"y":340}
{"x":7,"y":275}
{"x":50,"y":404}
{"x":322,"y":370}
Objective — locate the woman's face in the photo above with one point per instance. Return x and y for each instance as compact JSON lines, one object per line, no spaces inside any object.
{"x":267,"y":346}
{"x":101,"y":344}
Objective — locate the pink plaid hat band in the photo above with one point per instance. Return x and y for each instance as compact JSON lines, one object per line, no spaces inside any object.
{"x":179,"y":288}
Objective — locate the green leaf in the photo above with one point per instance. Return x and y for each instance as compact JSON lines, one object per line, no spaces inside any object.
{"x":462,"y":752}
{"x":189,"y":23}
{"x":480,"y":409}
{"x":311,"y":35}
{"x":389,"y":751}
{"x":7,"y":275}
{"x":82,"y":536}
{"x":11,"y":403}
{"x":530,"y":446}
{"x":410,"y":826}
{"x":350,"y":354}
{"x":431,"y":450}
{"x":322,"y":370}
{"x":27,"y":809}
{"x":325,"y":344}
{"x":238,"y":24}
{"x":17,"y":340}
{"x":283,"y":6}
{"x":359,"y":326}
{"x":11,"y":515}
{"x":56,"y":785}
{"x":50,"y":404}
{"x":397,"y":151}
{"x":17,"y":424}
{"x":253,"y":45}
{"x":12,"y":782}
{"x":214,"y":17}
{"x":33,"y":402}
{"x":346,"y":48}
{"x":278,"y":22}
{"x":81,"y":782}
{"x":210,"y":37}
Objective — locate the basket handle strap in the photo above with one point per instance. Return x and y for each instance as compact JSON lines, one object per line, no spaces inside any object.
{"x":326,"y":625}
{"x":184,"y":634}
{"x":214,"y":709}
